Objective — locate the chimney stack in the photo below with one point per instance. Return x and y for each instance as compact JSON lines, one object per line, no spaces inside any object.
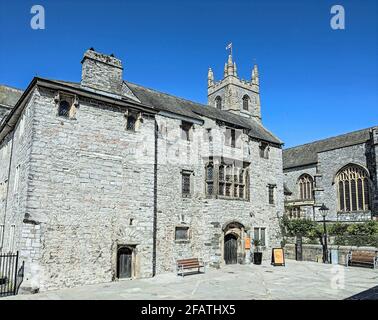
{"x":102,"y":72}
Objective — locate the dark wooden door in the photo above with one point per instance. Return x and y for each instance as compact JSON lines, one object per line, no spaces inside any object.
{"x":124,"y":263}
{"x":230,"y":249}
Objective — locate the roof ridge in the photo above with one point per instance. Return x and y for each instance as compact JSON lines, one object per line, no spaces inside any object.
{"x":167,"y":94}
{"x":328,"y":138}
{"x":11,"y":87}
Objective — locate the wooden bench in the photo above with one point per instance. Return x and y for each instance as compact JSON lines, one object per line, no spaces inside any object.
{"x":187,"y":264}
{"x":359,"y":258}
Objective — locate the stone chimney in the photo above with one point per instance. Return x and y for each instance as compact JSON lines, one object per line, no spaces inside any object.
{"x":102,"y":72}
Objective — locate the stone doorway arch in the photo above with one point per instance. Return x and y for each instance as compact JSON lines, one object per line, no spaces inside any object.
{"x":233,"y":242}
{"x":125,"y":262}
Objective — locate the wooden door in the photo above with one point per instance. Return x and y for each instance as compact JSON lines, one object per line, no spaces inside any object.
{"x":230,"y":249}
{"x":124,"y":263}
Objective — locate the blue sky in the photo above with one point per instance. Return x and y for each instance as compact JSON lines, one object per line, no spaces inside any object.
{"x":315,"y":81}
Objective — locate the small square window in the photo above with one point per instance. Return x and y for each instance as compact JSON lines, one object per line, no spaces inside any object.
{"x":131,"y":122}
{"x":64,"y":109}
{"x":264,"y":150}
{"x":182,"y":233}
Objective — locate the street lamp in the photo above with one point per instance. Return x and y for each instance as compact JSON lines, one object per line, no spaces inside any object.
{"x":323,"y":211}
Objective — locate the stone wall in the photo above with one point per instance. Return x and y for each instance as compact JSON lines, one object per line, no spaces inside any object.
{"x":14,"y":178}
{"x":330,"y":162}
{"x":314,"y":252}
{"x":87,"y":192}
{"x":206,"y":217}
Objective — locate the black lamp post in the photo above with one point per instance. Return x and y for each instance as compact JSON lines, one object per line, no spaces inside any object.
{"x":323,"y":211}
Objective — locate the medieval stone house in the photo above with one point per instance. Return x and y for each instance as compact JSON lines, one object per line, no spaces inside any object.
{"x":340,"y":172}
{"x":105,"y":179}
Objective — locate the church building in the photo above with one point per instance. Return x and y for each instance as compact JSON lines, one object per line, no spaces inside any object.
{"x":104,"y":179}
{"x":340,"y":172}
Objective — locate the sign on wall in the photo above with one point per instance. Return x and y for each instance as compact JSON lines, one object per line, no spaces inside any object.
{"x":247,"y":243}
{"x":278,"y":257}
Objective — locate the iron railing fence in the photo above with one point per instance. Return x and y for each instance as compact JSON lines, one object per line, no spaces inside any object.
{"x":10,"y":275}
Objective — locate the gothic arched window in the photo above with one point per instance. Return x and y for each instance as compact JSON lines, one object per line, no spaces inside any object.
{"x":246,"y":102}
{"x":353,"y":189}
{"x":218,"y":102}
{"x":305,"y":184}
{"x":64,"y":109}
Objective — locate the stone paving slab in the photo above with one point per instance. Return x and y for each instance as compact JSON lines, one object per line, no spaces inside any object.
{"x":296,"y":280}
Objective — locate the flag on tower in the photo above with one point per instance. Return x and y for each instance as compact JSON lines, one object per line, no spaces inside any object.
{"x":229,"y":46}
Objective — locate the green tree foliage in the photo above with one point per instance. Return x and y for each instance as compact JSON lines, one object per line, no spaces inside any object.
{"x":353,"y":234}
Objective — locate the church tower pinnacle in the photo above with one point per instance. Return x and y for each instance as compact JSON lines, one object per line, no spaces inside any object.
{"x":233,"y":94}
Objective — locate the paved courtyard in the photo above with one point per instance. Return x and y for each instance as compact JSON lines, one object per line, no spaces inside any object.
{"x":297,"y":280}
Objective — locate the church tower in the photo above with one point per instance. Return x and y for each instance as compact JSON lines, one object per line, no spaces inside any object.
{"x":233,"y":94}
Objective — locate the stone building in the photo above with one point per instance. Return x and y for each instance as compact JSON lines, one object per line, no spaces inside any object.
{"x":340,"y":172}
{"x":106,"y":179}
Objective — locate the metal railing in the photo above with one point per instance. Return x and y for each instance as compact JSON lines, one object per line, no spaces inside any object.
{"x":11,"y":276}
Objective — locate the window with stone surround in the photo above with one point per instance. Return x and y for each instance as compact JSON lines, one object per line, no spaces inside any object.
{"x":186,"y":185}
{"x":209,"y":174}
{"x":264,"y":150}
{"x":232,"y":180}
{"x":233,"y":137}
{"x":64,"y":109}
{"x":131,"y":122}
{"x":293,"y":212}
{"x":186,"y":131}
{"x":67,"y":105}
{"x":305,"y":186}
{"x":271,"y":188}
{"x":260,"y":234}
{"x":182,"y":233}
{"x":353,"y":189}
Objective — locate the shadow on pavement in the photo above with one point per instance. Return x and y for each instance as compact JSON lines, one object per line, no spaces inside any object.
{"x":370,"y":294}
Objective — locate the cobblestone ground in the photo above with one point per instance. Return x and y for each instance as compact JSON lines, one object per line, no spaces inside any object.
{"x":297,"y":280}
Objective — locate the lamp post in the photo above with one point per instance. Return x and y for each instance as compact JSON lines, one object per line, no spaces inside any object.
{"x":323,"y":211}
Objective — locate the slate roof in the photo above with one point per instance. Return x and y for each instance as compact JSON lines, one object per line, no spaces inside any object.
{"x":187,"y":108}
{"x":307,"y":154}
{"x":170,"y":103}
{"x":9,"y":96}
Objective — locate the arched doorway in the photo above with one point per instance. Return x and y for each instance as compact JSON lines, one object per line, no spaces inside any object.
{"x":230,"y":248}
{"x":124,"y":262}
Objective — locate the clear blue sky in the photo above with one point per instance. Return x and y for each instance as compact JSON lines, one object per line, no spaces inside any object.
{"x":315,"y":82}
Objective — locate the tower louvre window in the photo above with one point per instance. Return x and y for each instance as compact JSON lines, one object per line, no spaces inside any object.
{"x":246,"y":102}
{"x":218,"y":102}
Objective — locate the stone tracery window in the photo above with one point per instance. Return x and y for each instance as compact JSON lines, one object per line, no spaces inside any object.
{"x":305,"y":184}
{"x":353,"y":189}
